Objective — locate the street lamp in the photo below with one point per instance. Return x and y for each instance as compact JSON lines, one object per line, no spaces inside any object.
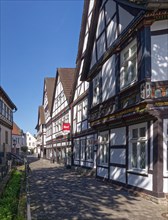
{"x":14,"y":144}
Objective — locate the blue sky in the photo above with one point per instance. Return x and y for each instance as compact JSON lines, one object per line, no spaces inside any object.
{"x":36,"y":38}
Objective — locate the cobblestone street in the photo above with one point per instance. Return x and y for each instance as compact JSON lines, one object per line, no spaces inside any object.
{"x":57,"y":193}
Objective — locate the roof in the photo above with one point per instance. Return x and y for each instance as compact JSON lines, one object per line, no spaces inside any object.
{"x":49,"y":82}
{"x":142,"y":8}
{"x":16,"y":130}
{"x":67,"y":78}
{"x":4,"y":95}
{"x":41,"y":116}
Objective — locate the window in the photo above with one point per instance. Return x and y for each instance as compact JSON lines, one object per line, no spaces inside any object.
{"x":6,"y":137}
{"x":128,"y":65}
{"x":76,"y":149}
{"x":83,"y":141}
{"x":89,"y":149}
{"x":103,"y":148}
{"x":96,"y":90}
{"x":138,"y":147}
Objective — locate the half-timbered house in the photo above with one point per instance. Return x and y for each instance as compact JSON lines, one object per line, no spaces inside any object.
{"x":48,"y":92}
{"x":41,"y":131}
{"x":84,"y":138}
{"x":61,"y":114}
{"x":7,"y":107}
{"x":126,"y":65}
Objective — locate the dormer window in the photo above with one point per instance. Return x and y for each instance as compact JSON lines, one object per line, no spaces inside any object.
{"x":128,"y":65}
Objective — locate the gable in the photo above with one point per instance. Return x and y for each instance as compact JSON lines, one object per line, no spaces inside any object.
{"x":112,"y":21}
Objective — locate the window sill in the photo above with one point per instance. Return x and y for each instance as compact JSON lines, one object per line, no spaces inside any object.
{"x":138,"y":172}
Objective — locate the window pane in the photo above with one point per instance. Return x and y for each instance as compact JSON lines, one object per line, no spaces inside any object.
{"x":142,"y":132}
{"x":135,"y":133}
{"x":142,"y":155}
{"x":134,"y":155}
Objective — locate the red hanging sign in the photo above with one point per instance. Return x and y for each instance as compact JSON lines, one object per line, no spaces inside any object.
{"x":66,"y":126}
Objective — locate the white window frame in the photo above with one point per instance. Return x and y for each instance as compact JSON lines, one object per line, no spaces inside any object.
{"x":125,"y":65}
{"x":138,"y":141}
{"x":103,"y":149}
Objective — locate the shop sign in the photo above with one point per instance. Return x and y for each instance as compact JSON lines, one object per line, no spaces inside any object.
{"x":66,"y":127}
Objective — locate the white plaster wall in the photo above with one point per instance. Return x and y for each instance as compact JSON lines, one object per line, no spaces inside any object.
{"x":101,"y":46}
{"x":108,"y":79}
{"x":89,"y":164}
{"x":102,"y":172}
{"x":159,"y":54}
{"x":145,"y":182}
{"x":118,"y":136}
{"x":82,"y":163}
{"x":118,"y":174}
{"x":125,"y":18}
{"x":159,"y":25}
{"x":76,"y":162}
{"x":111,"y":32}
{"x":165,"y":185}
{"x":118,"y":156}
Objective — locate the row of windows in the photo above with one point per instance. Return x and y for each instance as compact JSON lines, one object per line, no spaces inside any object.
{"x":6,"y":111}
{"x":57,"y":126}
{"x":138,"y":159}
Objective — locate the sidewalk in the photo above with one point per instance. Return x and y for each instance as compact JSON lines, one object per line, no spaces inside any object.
{"x":57,"y":193}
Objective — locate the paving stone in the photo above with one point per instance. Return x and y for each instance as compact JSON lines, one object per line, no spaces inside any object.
{"x":57,"y":193}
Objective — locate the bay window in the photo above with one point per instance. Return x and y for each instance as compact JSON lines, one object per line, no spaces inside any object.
{"x":138,"y":147}
{"x":128,"y":65}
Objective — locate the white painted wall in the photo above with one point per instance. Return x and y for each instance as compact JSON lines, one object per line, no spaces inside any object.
{"x":145,"y":182}
{"x":118,"y":136}
{"x":159,"y":52}
{"x":102,"y":172}
{"x":118,"y":155}
{"x":125,"y":18}
{"x":118,"y":174}
{"x":108,"y":79}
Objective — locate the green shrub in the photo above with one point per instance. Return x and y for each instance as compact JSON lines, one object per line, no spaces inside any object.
{"x":10,"y":197}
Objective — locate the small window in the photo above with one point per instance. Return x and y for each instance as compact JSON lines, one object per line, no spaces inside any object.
{"x":128,"y":65}
{"x":158,"y":93}
{"x":138,"y":148}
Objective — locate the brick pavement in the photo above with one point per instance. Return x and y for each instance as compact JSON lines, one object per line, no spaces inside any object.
{"x":57,"y":193}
